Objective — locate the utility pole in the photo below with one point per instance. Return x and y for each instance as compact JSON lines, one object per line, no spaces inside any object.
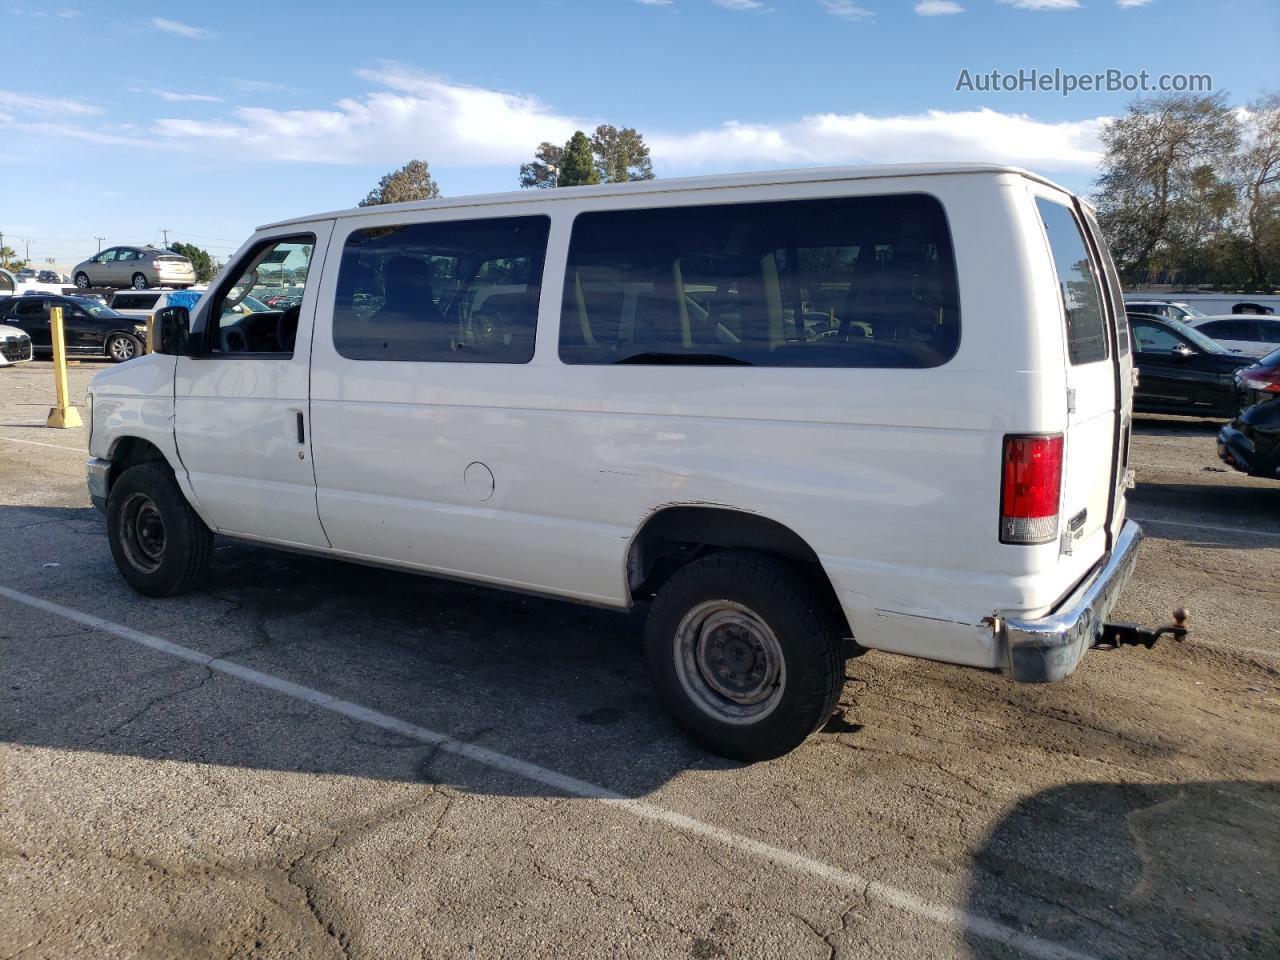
{"x":165,"y":231}
{"x":99,"y":239}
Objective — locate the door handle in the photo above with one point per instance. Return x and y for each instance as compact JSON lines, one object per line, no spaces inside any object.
{"x":302,"y":433}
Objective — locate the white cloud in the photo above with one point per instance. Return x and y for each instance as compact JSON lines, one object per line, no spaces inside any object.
{"x":260,"y":86}
{"x":936,"y":135}
{"x":172,"y":97}
{"x":938,"y":8}
{"x":655,"y":3}
{"x":1043,"y":4}
{"x":739,"y":4}
{"x":846,"y":9}
{"x":33,"y":103}
{"x":68,"y":14}
{"x":449,"y":124}
{"x":1132,"y":3}
{"x":180,"y":29}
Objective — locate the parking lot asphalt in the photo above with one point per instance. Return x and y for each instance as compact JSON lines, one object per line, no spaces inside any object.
{"x":309,"y":758}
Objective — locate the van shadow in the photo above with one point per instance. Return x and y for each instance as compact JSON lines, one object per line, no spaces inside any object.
{"x":1243,"y":504}
{"x":1137,"y":870}
{"x":557,"y":684}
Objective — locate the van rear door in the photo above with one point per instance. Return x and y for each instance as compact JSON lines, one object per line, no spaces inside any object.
{"x":1090,"y":484}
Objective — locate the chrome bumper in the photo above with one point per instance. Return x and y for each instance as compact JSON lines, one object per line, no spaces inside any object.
{"x":1048,"y":649}
{"x":97,"y":471}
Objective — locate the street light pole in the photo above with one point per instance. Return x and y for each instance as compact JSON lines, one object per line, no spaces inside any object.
{"x":99,"y":239}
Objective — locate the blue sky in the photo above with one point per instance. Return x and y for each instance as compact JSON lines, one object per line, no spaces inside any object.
{"x":119,"y":119}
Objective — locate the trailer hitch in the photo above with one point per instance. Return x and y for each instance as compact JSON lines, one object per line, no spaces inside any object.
{"x":1117,"y":635}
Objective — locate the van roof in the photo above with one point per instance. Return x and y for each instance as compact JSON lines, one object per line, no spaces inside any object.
{"x":676,"y":184}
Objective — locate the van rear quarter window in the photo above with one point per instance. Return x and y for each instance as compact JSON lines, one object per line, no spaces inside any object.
{"x":1078,"y":287}
{"x":839,"y":282}
{"x":461,"y":291}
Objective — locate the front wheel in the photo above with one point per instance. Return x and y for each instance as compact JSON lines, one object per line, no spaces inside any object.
{"x":745,"y":653}
{"x":82,"y":281}
{"x":159,"y":544}
{"x":122,"y":347}
{"x":139,"y":282}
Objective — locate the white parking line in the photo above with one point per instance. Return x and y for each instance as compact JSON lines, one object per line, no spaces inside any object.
{"x":799,"y":863}
{"x":52,"y":446}
{"x":1220,"y":528}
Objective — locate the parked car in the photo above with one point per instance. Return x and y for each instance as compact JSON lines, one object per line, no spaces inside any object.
{"x":1251,"y":442}
{"x":89,"y":328}
{"x":940,"y":472}
{"x":26,"y":275}
{"x":1182,"y":371}
{"x":145,"y":303}
{"x":1256,"y":308}
{"x":48,"y":276}
{"x":1164,"y":309}
{"x":137,"y":267}
{"x":1253,"y":335}
{"x":8,"y":282}
{"x":15,"y":344}
{"x":1258,"y":382}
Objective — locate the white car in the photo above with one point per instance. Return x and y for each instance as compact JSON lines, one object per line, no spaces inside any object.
{"x":1250,"y":334}
{"x":15,"y":345}
{"x":795,"y":415}
{"x":1164,"y":309}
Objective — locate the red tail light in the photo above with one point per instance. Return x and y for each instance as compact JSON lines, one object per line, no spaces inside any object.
{"x":1269,"y":381}
{"x":1029,"y":494}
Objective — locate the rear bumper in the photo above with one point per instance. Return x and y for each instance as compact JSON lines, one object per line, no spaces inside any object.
{"x":97,"y":471}
{"x":1235,"y":449}
{"x":1048,"y":649}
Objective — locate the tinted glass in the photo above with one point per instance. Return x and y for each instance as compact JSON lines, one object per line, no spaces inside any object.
{"x":1153,"y":338}
{"x":1270,"y":331}
{"x":847,"y":282}
{"x":1228,"y":329}
{"x":462,"y":292}
{"x":29,"y":308}
{"x":134,"y":301}
{"x":1077,"y":284}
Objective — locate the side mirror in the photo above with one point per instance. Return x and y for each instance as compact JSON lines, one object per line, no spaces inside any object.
{"x":172,"y":332}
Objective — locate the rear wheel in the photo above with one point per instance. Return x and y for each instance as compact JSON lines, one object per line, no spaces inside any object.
{"x":139,"y":282}
{"x":82,"y":281}
{"x":122,"y":347}
{"x":745,"y":654}
{"x":159,"y":544}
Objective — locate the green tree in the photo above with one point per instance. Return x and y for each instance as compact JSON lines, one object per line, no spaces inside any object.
{"x":617,"y":156}
{"x":200,"y":260}
{"x":1167,"y":167}
{"x":544,"y":170}
{"x":1260,"y":193}
{"x":579,"y":167}
{"x":621,"y":155}
{"x":413,"y":181}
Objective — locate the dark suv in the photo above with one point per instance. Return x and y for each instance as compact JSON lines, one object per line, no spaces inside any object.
{"x":90,"y":329}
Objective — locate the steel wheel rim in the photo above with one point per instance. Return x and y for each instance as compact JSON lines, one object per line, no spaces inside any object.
{"x":729,"y":662}
{"x":142,"y":533}
{"x":121,"y":348}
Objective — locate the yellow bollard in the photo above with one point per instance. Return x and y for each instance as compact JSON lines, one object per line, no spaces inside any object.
{"x":64,"y":414}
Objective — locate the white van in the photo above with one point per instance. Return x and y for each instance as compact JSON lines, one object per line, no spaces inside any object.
{"x":799,"y":414}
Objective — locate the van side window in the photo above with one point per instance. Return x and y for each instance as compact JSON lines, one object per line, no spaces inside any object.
{"x":1077,"y":285}
{"x":238,"y":322}
{"x":841,"y":282}
{"x":461,"y":292}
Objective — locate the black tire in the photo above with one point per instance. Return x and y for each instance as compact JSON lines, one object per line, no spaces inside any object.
{"x":185,"y":543}
{"x":140,"y":282}
{"x":82,"y":281}
{"x":738,"y":604}
{"x":123,"y":346}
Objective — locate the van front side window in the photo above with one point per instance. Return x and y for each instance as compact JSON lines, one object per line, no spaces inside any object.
{"x":841,"y":282}
{"x":461,"y":292}
{"x":258,"y":310}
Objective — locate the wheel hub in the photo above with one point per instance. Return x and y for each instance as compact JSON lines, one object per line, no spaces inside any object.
{"x":142,"y":532}
{"x":729,"y":661}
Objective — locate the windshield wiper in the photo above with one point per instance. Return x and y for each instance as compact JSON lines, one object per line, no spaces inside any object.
{"x":658,"y":357}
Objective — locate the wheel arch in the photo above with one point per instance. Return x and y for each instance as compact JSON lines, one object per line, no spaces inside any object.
{"x":673,"y":535}
{"x":130,"y":451}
